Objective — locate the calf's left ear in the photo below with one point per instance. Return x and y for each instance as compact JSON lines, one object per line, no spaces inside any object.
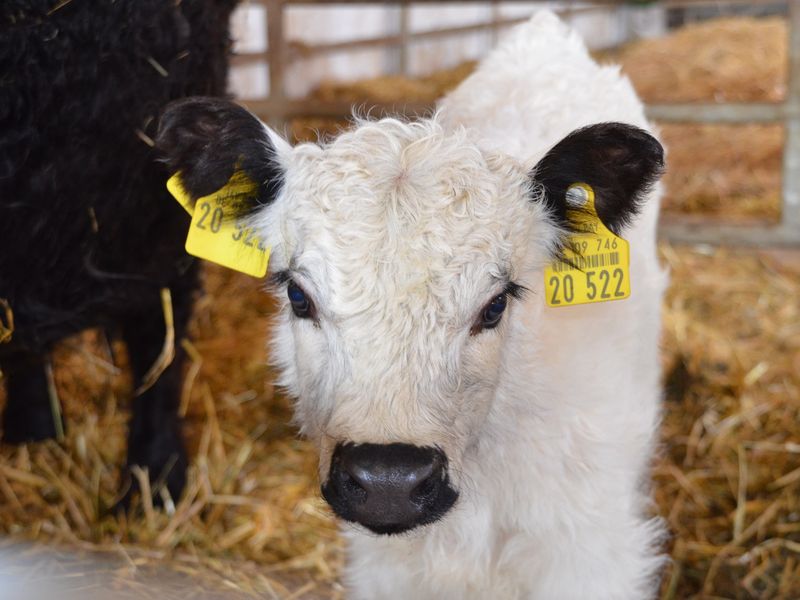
{"x":620,"y":162}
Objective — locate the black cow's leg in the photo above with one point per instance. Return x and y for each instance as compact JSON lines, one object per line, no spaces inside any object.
{"x":28,"y":416}
{"x":154,"y":438}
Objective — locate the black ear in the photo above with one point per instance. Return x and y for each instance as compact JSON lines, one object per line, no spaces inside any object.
{"x":620,"y":162}
{"x":206,"y":139}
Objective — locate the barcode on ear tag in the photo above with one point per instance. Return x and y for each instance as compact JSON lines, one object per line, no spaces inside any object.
{"x":595,"y":263}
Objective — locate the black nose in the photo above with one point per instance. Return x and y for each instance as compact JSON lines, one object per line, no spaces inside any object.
{"x":389,"y":488}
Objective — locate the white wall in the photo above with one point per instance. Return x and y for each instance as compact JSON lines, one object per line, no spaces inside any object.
{"x":320,"y":24}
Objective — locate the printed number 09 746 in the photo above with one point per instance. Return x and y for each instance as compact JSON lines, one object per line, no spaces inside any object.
{"x":606,"y":244}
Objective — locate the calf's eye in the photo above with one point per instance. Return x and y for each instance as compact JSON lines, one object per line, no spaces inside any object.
{"x":302,"y":306}
{"x":491,"y":314}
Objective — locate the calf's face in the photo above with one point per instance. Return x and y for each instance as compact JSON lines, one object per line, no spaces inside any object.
{"x":401,"y":253}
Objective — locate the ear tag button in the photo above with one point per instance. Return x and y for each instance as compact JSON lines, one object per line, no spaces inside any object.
{"x":215,"y":234}
{"x":595,"y":266}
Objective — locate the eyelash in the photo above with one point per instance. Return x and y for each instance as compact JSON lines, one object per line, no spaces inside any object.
{"x":487,"y":319}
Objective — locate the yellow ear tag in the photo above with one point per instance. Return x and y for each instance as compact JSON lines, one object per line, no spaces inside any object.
{"x":596,"y":263}
{"x":215,"y":234}
{"x":175,"y":187}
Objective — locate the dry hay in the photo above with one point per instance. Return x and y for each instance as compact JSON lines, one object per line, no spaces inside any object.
{"x":728,"y":480}
{"x":251,"y":517}
{"x":395,"y":88}
{"x":736,"y":59}
{"x":387,"y":89}
{"x":731,"y":171}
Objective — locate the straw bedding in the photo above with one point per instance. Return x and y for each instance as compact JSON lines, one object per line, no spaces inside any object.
{"x":728,"y":475}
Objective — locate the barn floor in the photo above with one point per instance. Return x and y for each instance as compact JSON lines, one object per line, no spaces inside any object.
{"x":727,"y":479}
{"x":32,"y":572}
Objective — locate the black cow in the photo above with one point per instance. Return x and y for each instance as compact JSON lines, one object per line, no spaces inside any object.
{"x":88,"y":233}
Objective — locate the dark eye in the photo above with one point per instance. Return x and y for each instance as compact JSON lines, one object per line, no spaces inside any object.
{"x":301,"y":304}
{"x":491,"y":314}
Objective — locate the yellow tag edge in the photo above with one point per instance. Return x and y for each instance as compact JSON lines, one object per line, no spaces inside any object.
{"x":561,"y":286}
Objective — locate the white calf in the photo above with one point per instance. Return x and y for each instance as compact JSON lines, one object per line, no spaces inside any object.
{"x":482,"y":444}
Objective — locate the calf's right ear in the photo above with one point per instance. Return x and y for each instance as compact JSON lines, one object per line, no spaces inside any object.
{"x":207,"y":139}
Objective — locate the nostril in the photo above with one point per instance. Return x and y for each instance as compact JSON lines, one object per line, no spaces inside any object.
{"x":350,"y":486}
{"x":421,"y":474}
{"x":426,"y":491}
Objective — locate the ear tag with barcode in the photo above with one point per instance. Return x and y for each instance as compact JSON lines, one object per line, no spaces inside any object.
{"x":595,"y":266}
{"x":215,"y":234}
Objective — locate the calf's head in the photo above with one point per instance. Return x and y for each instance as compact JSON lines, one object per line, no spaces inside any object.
{"x":401,"y":253}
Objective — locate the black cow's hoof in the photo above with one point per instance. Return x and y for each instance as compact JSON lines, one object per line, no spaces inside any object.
{"x":164,"y":459}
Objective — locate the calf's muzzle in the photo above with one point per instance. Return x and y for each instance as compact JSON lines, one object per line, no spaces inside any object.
{"x":389,"y":488}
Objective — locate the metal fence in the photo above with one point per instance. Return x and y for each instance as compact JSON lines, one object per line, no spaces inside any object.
{"x":278,"y":108}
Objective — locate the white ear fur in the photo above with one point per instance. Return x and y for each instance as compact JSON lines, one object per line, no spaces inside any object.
{"x":270,"y":221}
{"x":279,"y":143}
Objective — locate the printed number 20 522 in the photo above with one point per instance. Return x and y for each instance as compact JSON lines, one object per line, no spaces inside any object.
{"x":249,"y":238}
{"x":602,"y":285}
{"x":211,"y":220}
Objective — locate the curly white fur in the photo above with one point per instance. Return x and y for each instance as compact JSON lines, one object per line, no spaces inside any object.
{"x":401,"y":232}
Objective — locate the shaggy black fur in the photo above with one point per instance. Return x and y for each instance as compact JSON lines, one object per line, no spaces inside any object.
{"x":620,"y":162}
{"x":88,"y":233}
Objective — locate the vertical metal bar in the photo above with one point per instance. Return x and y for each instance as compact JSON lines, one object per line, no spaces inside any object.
{"x":277,"y":61}
{"x":394,"y":54}
{"x":791,"y":150}
{"x":405,"y":21}
{"x":567,"y":14}
{"x":496,"y":15}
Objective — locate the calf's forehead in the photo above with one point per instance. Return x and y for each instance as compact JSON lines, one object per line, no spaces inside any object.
{"x":408,"y":211}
